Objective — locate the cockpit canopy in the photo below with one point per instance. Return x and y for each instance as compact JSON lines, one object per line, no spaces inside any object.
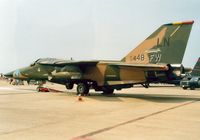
{"x":50,"y":61}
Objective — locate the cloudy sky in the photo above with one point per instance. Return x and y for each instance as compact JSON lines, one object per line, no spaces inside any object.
{"x":87,"y":29}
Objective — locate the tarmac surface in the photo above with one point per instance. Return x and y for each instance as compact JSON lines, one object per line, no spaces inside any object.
{"x":157,"y":113}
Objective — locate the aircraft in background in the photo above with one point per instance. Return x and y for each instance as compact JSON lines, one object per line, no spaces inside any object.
{"x":192,"y":80}
{"x":156,"y":57}
{"x":196,"y":69}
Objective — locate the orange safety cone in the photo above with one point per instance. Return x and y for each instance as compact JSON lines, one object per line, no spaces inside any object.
{"x":80,"y":97}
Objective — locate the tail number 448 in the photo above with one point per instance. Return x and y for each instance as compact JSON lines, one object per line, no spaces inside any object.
{"x":139,"y":57}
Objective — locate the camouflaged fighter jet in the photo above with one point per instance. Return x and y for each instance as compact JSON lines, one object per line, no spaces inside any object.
{"x":196,"y":69}
{"x":158,"y":56}
{"x":192,"y":80}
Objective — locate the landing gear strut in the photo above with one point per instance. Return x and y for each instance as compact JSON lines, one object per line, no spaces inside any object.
{"x":69,"y":85}
{"x":146,"y":85}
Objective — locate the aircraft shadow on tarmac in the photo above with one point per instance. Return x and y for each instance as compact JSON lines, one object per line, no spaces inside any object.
{"x":160,"y":98}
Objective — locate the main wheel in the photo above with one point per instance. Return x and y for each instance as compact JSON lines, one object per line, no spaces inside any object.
{"x":82,"y":89}
{"x":192,"y":88}
{"x":69,"y":85}
{"x":184,"y":88}
{"x":107,"y":90}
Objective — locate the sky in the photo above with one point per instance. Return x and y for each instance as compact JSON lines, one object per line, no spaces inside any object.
{"x":87,"y":29}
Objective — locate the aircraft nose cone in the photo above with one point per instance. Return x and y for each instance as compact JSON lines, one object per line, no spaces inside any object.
{"x":9,"y":75}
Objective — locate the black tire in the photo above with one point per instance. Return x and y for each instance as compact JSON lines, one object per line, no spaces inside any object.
{"x":192,"y":88}
{"x":184,"y":88}
{"x":107,"y":91}
{"x":69,"y":85}
{"x":82,"y":89}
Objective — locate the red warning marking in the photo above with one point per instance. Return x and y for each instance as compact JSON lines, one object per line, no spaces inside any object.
{"x":54,"y":90}
{"x":45,"y":89}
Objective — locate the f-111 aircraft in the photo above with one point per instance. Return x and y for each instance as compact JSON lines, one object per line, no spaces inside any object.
{"x":155,"y":59}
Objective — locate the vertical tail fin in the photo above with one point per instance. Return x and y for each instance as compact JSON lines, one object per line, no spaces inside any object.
{"x":196,"y":69}
{"x":166,"y":45}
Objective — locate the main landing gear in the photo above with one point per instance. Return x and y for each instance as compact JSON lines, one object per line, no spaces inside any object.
{"x":83,"y":88}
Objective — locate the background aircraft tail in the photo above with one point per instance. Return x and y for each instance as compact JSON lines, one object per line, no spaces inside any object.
{"x":196,"y":69}
{"x":166,"y":45}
